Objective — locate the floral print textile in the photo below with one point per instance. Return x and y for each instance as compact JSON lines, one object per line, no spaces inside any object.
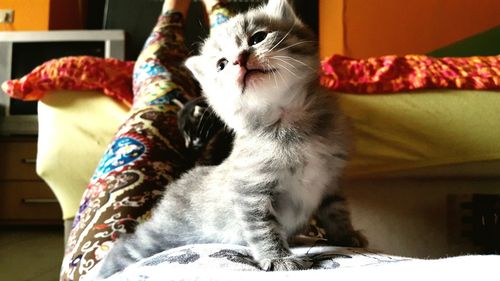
{"x":146,"y":154}
{"x":112,"y":76}
{"x":392,"y":74}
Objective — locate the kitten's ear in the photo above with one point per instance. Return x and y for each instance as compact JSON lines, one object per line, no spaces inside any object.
{"x":280,"y":9}
{"x":194,"y":64}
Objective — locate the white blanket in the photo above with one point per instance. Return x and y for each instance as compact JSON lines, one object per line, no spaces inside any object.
{"x":232,"y":262}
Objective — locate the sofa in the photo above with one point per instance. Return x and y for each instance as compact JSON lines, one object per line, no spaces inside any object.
{"x":414,"y":154}
{"x":421,"y":161}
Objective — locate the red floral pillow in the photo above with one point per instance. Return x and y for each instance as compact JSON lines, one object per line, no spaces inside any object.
{"x":391,"y":74}
{"x":112,"y":76}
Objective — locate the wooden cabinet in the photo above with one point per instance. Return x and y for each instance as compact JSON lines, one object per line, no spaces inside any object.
{"x":24,"y":197}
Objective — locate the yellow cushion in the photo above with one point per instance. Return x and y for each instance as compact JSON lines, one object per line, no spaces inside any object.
{"x":434,"y":134}
{"x":410,"y":134}
{"x":75,"y":129}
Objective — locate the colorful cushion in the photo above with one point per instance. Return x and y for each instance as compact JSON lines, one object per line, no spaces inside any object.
{"x":392,"y":74}
{"x":113,"y":77}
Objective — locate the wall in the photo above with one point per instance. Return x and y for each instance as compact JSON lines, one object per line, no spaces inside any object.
{"x":411,"y":217}
{"x":364,"y":28}
{"x":67,"y":14}
{"x":44,"y":14}
{"x":28,"y":15}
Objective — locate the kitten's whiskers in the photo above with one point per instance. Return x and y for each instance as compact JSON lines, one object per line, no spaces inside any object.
{"x":293,"y":45}
{"x":199,"y":122}
{"x":286,"y":35}
{"x":282,"y":60}
{"x":274,"y":73}
{"x":287,"y":69}
{"x":282,"y":78}
{"x":203,"y":121}
{"x":295,"y":60}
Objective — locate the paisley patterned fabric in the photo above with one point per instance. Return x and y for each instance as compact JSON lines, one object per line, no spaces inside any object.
{"x":219,"y":14}
{"x":146,"y":154}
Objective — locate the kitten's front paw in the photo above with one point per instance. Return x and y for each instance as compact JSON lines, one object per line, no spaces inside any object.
{"x":286,"y":263}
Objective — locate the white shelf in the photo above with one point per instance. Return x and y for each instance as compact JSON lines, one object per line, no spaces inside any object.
{"x":114,"y":47}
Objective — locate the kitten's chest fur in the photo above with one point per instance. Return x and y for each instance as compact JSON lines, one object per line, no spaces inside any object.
{"x":298,"y":160}
{"x":301,"y":188}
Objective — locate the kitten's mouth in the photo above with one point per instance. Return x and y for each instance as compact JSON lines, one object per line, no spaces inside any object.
{"x":254,"y":72}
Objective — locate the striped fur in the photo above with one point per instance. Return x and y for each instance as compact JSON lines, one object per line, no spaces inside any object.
{"x":289,"y":149}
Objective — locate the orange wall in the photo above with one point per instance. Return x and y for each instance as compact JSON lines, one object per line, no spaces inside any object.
{"x":379,"y":27}
{"x":28,"y":14}
{"x":331,"y":26}
{"x":43,"y":14}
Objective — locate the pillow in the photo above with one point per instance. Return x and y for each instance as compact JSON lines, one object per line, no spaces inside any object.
{"x":112,"y":76}
{"x":65,"y":118}
{"x":391,"y":74}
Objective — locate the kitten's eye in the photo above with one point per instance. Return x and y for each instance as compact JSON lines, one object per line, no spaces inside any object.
{"x":221,"y":64}
{"x":257,"y":38}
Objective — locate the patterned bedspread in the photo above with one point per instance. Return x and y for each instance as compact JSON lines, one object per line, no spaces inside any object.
{"x":231,"y":262}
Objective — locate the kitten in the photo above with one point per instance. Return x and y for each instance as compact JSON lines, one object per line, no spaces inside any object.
{"x":207,"y":140}
{"x":258,"y":72}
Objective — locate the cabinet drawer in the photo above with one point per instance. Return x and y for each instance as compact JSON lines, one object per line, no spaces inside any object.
{"x":28,"y":201}
{"x":18,"y":160}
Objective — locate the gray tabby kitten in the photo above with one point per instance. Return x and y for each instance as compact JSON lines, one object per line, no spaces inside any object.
{"x":259,"y":73}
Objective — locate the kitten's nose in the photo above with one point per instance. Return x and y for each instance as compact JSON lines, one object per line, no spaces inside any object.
{"x":242,"y":59}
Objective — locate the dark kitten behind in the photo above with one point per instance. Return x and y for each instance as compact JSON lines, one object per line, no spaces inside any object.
{"x":208,"y":140}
